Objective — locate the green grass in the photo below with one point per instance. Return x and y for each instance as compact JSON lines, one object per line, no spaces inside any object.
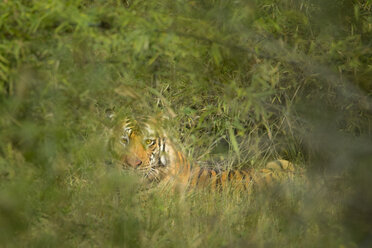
{"x":237,"y":83}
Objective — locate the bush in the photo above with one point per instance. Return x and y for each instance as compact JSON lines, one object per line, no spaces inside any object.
{"x":243,"y":82}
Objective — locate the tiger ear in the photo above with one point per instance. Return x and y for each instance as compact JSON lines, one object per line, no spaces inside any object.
{"x":110,"y":113}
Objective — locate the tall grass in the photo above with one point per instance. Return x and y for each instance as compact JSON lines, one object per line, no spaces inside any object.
{"x":237,"y":83}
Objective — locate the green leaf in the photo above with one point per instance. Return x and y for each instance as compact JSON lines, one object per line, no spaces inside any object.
{"x":216,"y":54}
{"x":233,"y":141}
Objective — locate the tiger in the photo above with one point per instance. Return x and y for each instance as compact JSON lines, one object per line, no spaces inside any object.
{"x":146,"y":148}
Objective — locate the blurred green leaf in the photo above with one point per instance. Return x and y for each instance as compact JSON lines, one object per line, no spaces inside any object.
{"x":272,"y":79}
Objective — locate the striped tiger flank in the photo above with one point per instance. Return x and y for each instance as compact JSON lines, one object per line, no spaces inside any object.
{"x":244,"y":179}
{"x":148,"y":150}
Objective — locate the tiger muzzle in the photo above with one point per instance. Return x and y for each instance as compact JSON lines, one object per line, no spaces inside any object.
{"x":133,"y":161}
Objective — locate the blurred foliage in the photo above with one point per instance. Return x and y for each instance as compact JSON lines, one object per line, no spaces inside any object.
{"x":240,"y":82}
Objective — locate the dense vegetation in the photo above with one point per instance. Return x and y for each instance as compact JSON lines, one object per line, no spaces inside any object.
{"x":236,"y":82}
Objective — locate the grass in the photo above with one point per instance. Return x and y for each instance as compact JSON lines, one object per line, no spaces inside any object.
{"x":237,"y":83}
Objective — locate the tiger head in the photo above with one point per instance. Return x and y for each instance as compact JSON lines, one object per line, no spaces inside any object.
{"x":143,"y":148}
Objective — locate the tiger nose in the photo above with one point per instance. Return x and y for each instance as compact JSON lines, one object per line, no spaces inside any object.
{"x":132,"y":161}
{"x":138,"y":162}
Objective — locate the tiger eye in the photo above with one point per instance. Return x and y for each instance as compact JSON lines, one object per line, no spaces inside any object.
{"x":124,"y":140}
{"x":148,"y":141}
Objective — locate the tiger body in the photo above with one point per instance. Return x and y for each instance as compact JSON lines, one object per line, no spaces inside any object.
{"x":150,"y":151}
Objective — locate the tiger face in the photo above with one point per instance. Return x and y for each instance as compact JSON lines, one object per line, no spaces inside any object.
{"x":143,"y":149}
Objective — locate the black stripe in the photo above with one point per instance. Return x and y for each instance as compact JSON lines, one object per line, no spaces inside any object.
{"x":200,"y":173}
{"x":231,"y":172}
{"x":218,"y":180}
{"x":201,"y":170}
{"x":243,"y":173}
{"x":209,"y":176}
{"x":209,"y":173}
{"x":159,"y":157}
{"x":279,"y":163}
{"x":243,"y":180}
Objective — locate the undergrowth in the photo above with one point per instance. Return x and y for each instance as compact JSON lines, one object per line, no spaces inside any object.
{"x":236,"y":83}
